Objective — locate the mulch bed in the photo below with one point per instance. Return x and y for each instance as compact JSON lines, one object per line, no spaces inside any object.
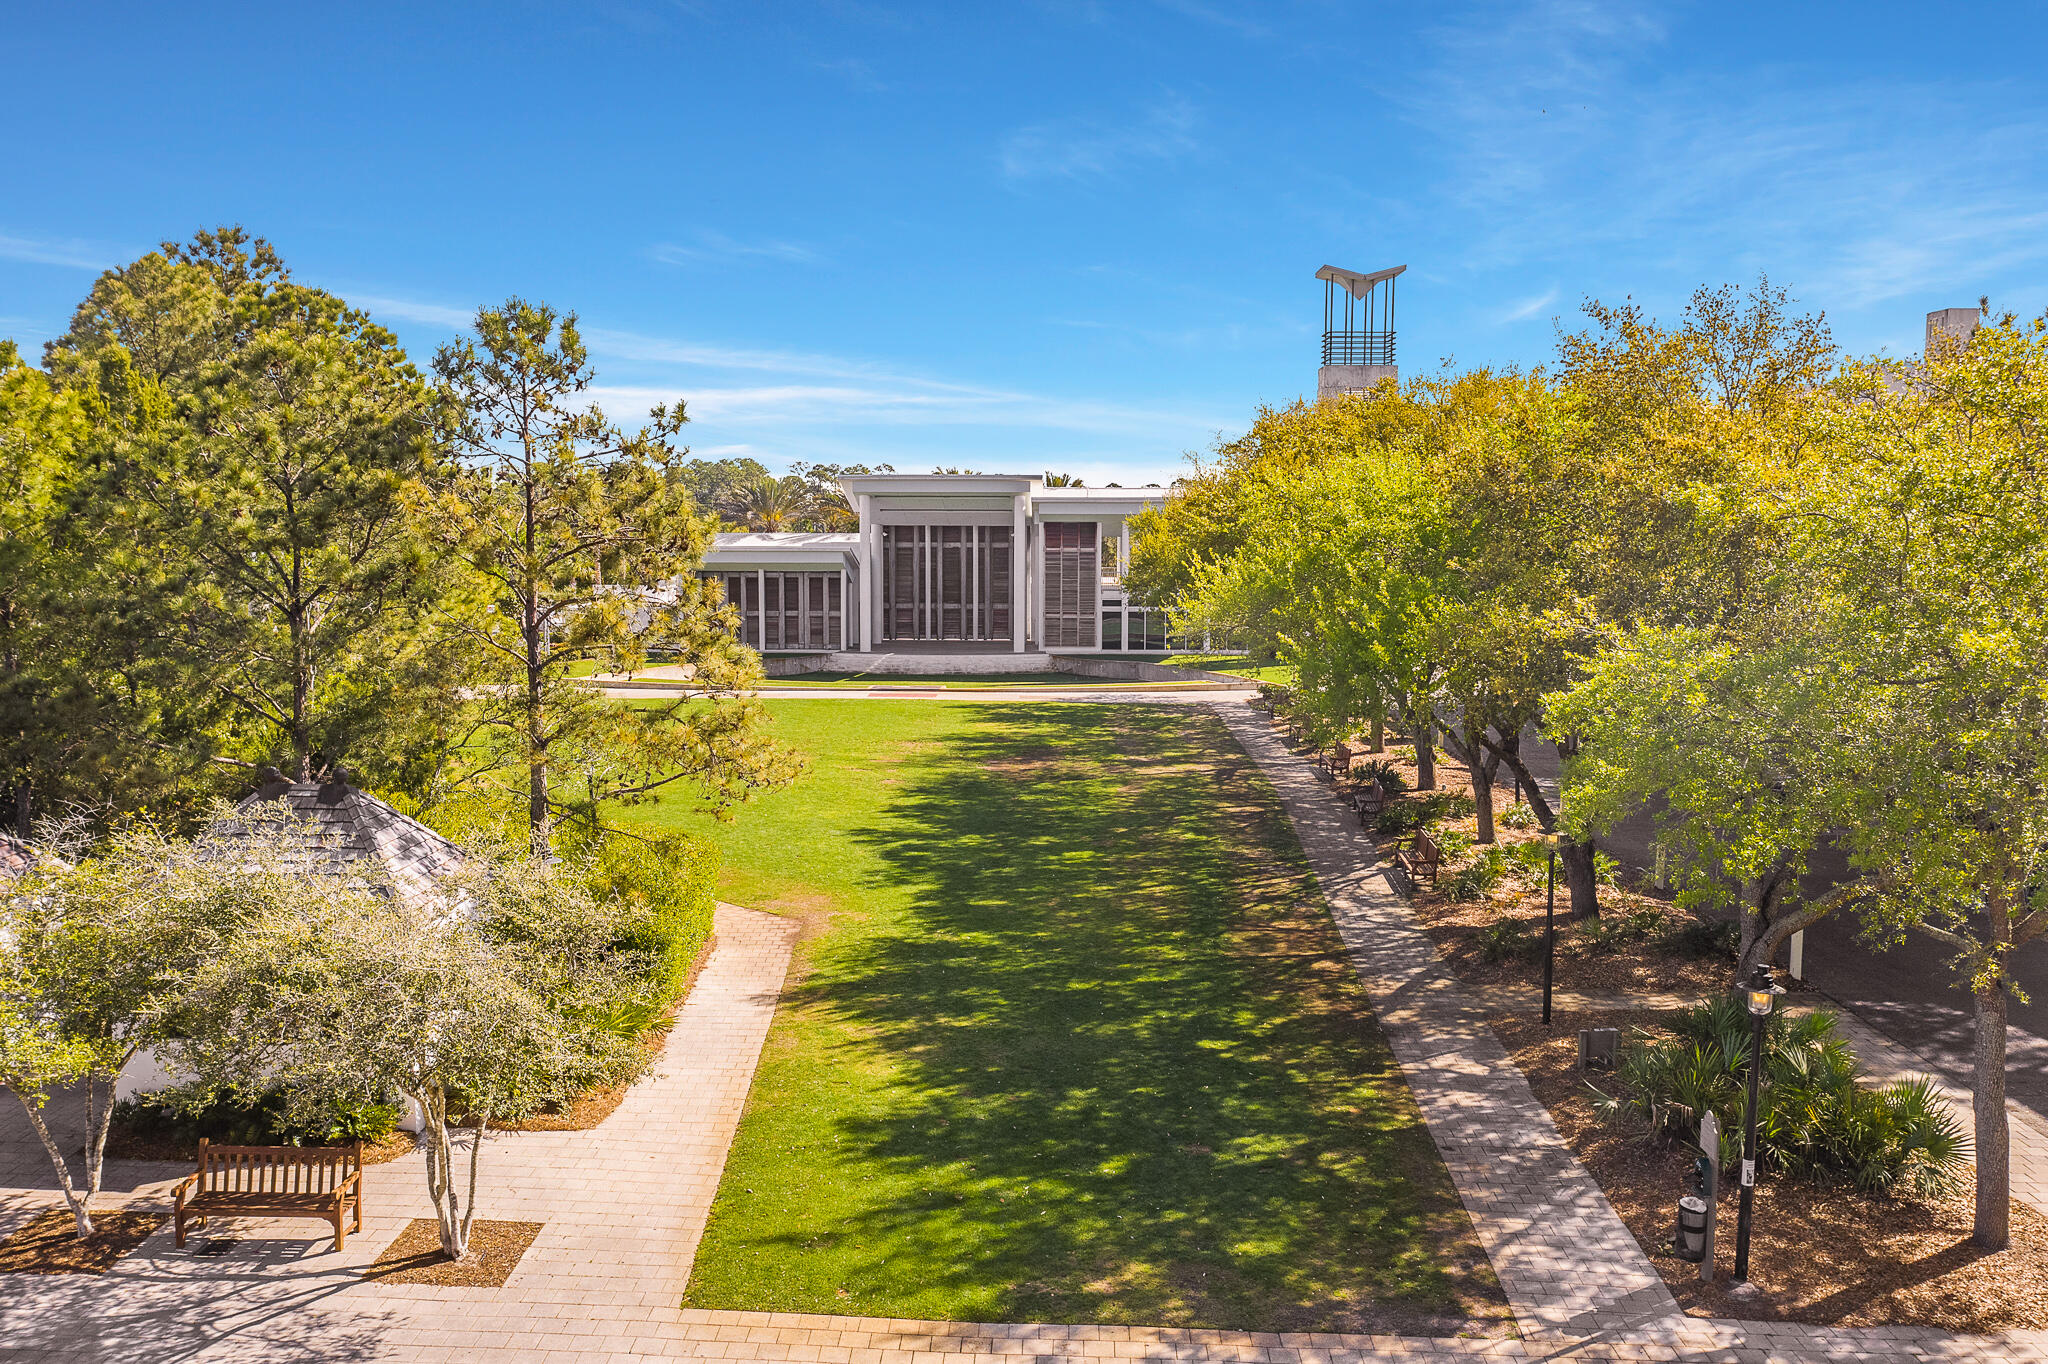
{"x":1822,"y":1255}
{"x":495,"y":1249}
{"x":48,"y":1243}
{"x":1629,"y":968}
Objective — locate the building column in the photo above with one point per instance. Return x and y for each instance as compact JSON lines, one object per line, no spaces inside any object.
{"x":870,"y":576}
{"x":1020,"y":595}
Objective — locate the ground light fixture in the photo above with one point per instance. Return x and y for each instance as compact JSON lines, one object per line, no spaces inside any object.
{"x":1549,"y":924}
{"x":1761,"y":995}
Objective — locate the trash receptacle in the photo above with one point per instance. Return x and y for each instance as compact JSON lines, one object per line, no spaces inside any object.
{"x":1691,"y":1240}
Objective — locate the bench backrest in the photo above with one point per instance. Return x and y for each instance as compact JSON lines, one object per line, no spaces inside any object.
{"x":276,"y":1169}
{"x":1426,"y":849}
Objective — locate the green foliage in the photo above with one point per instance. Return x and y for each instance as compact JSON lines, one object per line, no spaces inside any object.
{"x":554,"y":510}
{"x":1453,"y":843}
{"x":253,"y":1117}
{"x":1814,"y":1119}
{"x":665,"y":881}
{"x":1382,"y":773}
{"x":242,"y":500}
{"x":1530,"y":857}
{"x":1508,"y":939}
{"x":1614,"y":931}
{"x":1705,"y":939}
{"x":1517,"y":816}
{"x":1478,"y":877}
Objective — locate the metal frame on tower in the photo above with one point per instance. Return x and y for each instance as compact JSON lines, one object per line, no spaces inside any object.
{"x":1360,"y":330}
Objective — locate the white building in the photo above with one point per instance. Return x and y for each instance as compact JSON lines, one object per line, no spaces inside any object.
{"x":947,"y":564}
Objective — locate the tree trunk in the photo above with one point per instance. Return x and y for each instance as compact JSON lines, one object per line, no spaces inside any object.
{"x":1482,"y":794}
{"x":1379,"y":731}
{"x":1425,"y":751}
{"x":448,"y":1205}
{"x":1577,"y":857}
{"x":81,"y":1209}
{"x":1993,"y":1228}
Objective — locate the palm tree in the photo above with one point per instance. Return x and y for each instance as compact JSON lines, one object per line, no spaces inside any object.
{"x":768,"y":504}
{"x":1053,"y":480}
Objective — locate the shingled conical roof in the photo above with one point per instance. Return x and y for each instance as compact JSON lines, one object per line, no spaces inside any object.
{"x":350,"y":833}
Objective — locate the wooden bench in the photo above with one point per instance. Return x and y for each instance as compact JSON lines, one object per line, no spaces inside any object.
{"x":1368,"y":799}
{"x":1419,"y":858}
{"x":275,"y":1181}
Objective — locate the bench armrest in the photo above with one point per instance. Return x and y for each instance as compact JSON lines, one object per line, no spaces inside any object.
{"x":183,"y":1186}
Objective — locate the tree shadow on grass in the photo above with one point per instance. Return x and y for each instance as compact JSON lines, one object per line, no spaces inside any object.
{"x":1131,"y":1076}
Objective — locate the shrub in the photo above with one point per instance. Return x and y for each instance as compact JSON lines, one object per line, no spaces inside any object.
{"x":1518,"y":816}
{"x":1508,"y":940}
{"x":1705,"y":938}
{"x":1485,"y":871}
{"x":1383,"y":773}
{"x":1454,"y":843}
{"x":1606,"y":871}
{"x":1611,"y":932}
{"x":236,"y":1117}
{"x":666,"y":883}
{"x":1399,"y":819}
{"x":1533,"y":858}
{"x":1813,"y":1119}
{"x":1449,"y":805}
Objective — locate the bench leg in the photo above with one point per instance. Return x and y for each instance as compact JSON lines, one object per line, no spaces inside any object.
{"x":340,"y":1230}
{"x":181,"y":1229}
{"x":359,"y":1208}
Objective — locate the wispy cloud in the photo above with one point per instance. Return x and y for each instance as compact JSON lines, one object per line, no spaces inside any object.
{"x":68,"y":252}
{"x":1220,"y":15}
{"x":412,"y":310}
{"x":1528,"y":308}
{"x":706,"y":245}
{"x":1566,"y":128}
{"x":1082,"y":148}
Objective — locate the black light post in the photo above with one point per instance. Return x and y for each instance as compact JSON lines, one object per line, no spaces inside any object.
{"x":1549,"y":925}
{"x":1761,"y":996}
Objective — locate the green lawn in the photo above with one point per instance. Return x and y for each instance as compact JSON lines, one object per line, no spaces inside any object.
{"x":1070,"y":1038}
{"x":949,"y":681}
{"x":1237,"y":665}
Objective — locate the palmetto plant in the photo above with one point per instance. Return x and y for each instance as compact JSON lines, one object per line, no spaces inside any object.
{"x":771,"y":504}
{"x":1813,"y":1118}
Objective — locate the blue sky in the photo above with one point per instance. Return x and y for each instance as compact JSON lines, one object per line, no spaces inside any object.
{"x":1077,"y":236}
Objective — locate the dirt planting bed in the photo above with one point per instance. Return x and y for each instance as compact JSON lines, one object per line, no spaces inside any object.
{"x":1821,"y":1254}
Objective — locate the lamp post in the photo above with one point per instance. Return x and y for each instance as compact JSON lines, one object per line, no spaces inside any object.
{"x":1761,"y":995}
{"x":1549,"y":925}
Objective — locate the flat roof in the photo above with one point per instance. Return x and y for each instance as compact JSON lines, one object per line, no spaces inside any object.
{"x":786,"y":539}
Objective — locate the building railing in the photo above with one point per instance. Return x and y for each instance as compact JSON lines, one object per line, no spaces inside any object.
{"x":1358,"y":348}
